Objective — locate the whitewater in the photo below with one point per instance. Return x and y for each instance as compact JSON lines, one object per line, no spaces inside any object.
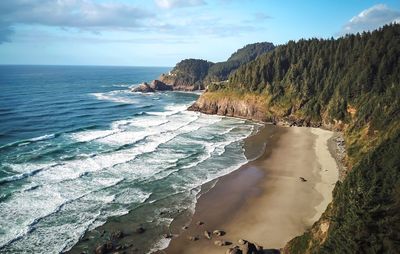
{"x":78,"y":148}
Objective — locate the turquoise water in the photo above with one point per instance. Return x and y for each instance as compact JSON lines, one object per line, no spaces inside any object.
{"x":77,"y":148}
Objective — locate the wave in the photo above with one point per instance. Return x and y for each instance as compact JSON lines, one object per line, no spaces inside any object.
{"x":50,"y":200}
{"x":44,"y":137}
{"x":145,"y":149}
{"x":116,"y":96}
{"x":29,"y":141}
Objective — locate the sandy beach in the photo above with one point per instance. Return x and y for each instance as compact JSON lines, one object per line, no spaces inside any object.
{"x":266,"y":201}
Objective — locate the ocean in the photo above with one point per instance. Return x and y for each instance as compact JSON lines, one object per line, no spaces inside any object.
{"x":78,"y":149}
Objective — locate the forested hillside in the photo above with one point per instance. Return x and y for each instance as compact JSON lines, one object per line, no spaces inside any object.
{"x":188,"y":74}
{"x":195,"y":74}
{"x":221,"y":71}
{"x":351,"y":84}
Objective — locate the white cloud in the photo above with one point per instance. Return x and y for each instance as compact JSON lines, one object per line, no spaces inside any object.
{"x":371,"y":18}
{"x":84,"y":15}
{"x":169,"y":4}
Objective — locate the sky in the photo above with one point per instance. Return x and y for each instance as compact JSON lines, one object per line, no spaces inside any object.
{"x":163,"y":32}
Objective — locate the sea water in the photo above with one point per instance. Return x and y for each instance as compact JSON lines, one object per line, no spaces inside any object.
{"x":77,"y":148}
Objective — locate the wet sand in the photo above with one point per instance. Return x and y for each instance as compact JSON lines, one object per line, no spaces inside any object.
{"x":265,"y":201}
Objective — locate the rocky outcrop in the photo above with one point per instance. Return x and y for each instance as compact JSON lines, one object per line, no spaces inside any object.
{"x":227,"y":107}
{"x":143,"y":88}
{"x":158,"y":85}
{"x":249,"y":107}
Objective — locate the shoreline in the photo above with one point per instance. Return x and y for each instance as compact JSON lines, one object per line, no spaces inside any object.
{"x":237,"y":202}
{"x":265,"y":201}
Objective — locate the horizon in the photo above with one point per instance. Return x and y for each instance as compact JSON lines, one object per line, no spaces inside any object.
{"x":161,"y":33}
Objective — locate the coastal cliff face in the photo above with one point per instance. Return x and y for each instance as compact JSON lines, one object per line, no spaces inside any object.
{"x":250,"y":108}
{"x":350,"y":84}
{"x":253,"y":107}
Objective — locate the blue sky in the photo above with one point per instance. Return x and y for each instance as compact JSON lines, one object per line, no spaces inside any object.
{"x":162,"y":32}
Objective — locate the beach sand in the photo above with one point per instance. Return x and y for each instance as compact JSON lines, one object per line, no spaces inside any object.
{"x":265,"y":201}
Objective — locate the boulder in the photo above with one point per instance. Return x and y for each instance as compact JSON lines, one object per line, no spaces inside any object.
{"x":109,"y":246}
{"x":242,"y":241}
{"x":259,"y":248}
{"x":207,"y":235}
{"x":140,"y":230}
{"x":234,"y":250}
{"x":249,"y":248}
{"x":199,"y":223}
{"x":143,"y":88}
{"x":167,"y":236}
{"x":101,"y":249}
{"x":117,"y":235}
{"x":193,"y":238}
{"x":222,"y":243}
{"x":218,"y":232}
{"x":160,"y":86}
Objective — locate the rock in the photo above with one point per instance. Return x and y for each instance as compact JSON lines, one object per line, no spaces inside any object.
{"x":126,"y":246}
{"x":140,"y":230}
{"x":117,"y":235}
{"x":193,"y":238}
{"x":109,"y":246}
{"x":303,"y":179}
{"x":160,"y":86}
{"x":199,"y":223}
{"x":167,"y":236}
{"x":207,"y":235}
{"x":234,"y":250}
{"x":241,"y":241}
{"x":185,"y":227}
{"x":222,"y":243}
{"x":259,"y":248}
{"x":249,"y":248}
{"x":102,"y":232}
{"x":143,"y":88}
{"x":101,"y":249}
{"x":218,"y":232}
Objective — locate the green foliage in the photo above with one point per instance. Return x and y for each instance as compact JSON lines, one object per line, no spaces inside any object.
{"x":361,"y":71}
{"x":366,"y":218}
{"x":191,"y":71}
{"x":354,"y":80}
{"x":221,"y":71}
{"x":200,"y":73}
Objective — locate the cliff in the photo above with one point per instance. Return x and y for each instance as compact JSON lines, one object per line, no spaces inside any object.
{"x":349,"y":84}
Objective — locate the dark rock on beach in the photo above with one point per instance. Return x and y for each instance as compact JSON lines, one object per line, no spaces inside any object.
{"x":219,"y":232}
{"x":207,"y":235}
{"x":222,"y":243}
{"x":167,"y":236}
{"x":140,"y":230}
{"x":250,"y":248}
{"x":117,"y":235}
{"x":234,"y":250}
{"x":193,"y":238}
